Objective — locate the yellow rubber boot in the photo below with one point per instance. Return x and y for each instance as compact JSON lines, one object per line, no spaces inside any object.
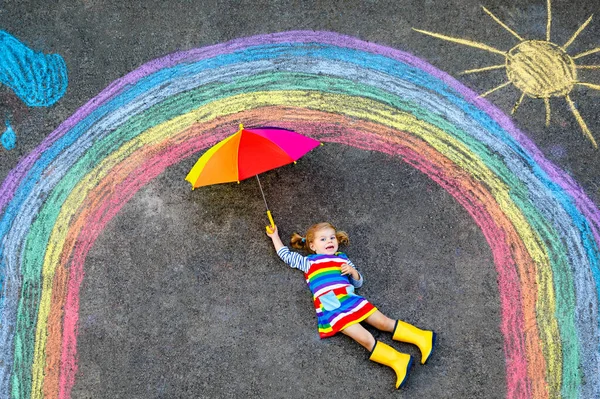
{"x":400,"y":362}
{"x":424,"y":339}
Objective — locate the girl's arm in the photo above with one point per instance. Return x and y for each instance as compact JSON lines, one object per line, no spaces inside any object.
{"x":277,"y":243}
{"x":292,"y":259}
{"x":356,"y":279}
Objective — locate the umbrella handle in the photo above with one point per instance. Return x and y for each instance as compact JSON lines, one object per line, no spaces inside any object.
{"x":271,"y":228}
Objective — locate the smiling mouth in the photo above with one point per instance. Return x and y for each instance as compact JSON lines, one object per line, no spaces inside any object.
{"x":329,"y":247}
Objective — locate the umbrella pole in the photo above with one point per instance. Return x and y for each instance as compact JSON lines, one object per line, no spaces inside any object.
{"x":272,"y":226}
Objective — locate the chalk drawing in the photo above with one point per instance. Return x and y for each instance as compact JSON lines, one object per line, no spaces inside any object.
{"x":38,"y":79}
{"x":538,"y":68}
{"x":542,"y":229}
{"x":8,"y":138}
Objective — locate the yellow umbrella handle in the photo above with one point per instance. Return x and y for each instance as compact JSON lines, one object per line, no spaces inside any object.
{"x":271,"y":228}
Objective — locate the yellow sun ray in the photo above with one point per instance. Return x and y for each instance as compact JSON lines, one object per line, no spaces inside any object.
{"x":502,"y":24}
{"x":484,"y":69}
{"x":495,"y":88}
{"x":549,"y":21}
{"x":593,"y":51}
{"x":587,"y":66}
{"x":547,"y":103}
{"x":581,"y":122}
{"x":517,"y":104}
{"x":581,"y":28}
{"x":590,"y":85}
{"x":465,"y":42}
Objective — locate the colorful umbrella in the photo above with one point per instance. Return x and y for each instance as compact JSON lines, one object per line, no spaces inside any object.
{"x":248,"y":153}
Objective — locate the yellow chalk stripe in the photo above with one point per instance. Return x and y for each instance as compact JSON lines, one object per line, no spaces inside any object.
{"x":484,"y":69}
{"x":502,"y":24}
{"x":581,"y":122}
{"x":495,"y":88}
{"x":590,"y":85}
{"x":519,"y":101}
{"x":549,"y":21}
{"x":465,"y":42}
{"x":585,"y":53}
{"x":581,"y":28}
{"x":587,"y":66}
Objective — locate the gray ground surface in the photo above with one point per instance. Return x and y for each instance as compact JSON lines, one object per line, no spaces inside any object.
{"x":183,"y":294}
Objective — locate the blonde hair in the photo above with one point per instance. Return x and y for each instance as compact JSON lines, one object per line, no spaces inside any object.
{"x":300,"y":242}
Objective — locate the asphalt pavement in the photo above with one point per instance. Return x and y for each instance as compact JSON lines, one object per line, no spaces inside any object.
{"x":183,"y":295}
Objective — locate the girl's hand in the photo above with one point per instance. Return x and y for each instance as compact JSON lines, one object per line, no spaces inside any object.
{"x":347,"y":269}
{"x":273,"y":233}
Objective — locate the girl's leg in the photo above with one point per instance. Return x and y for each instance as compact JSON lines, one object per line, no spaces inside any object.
{"x":381,"y":353}
{"x":424,"y":339}
{"x":381,"y":322}
{"x":360,"y":335}
{"x":405,"y":332}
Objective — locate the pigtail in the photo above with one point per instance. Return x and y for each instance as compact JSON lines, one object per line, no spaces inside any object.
{"x":342,"y":237}
{"x":298,"y":242}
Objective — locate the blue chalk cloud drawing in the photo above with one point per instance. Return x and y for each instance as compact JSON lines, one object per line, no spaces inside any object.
{"x":8,"y":138}
{"x":38,"y":79}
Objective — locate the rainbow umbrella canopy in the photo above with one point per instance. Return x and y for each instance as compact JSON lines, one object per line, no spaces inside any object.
{"x":248,"y":153}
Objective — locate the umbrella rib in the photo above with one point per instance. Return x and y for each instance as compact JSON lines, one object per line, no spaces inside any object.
{"x":237,"y":155}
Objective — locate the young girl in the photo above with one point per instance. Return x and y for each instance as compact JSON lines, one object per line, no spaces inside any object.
{"x":332,"y":277}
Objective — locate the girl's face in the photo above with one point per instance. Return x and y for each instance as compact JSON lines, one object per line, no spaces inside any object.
{"x":325,"y":242}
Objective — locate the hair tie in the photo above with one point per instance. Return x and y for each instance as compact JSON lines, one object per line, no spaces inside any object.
{"x":303,"y":239}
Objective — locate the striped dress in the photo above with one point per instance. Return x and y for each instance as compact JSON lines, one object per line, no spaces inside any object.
{"x":336,"y":304}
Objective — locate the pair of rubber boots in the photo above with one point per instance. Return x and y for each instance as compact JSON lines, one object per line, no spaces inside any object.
{"x":402,"y":362}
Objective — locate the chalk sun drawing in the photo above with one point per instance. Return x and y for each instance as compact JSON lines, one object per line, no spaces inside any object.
{"x":542,"y":229}
{"x":538,"y":68}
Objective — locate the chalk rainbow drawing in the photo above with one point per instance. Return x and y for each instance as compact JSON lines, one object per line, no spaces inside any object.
{"x":38,"y":79}
{"x":539,"y":68}
{"x":543,"y":231}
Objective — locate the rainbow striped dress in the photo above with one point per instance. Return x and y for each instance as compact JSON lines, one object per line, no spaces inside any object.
{"x":336,"y":304}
